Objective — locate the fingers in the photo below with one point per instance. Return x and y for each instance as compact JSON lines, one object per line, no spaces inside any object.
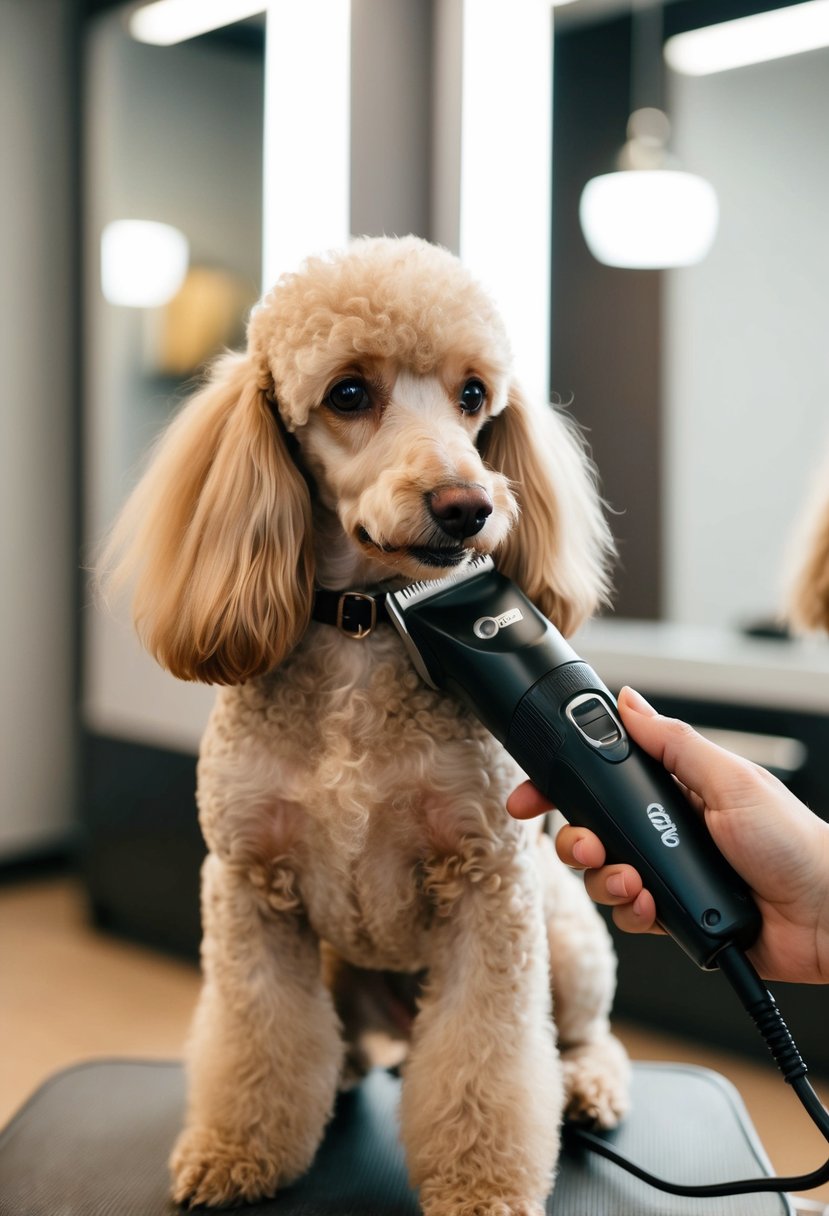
{"x":638,"y":916}
{"x":613,"y":885}
{"x":525,"y":802}
{"x":579,"y":848}
{"x":720,"y":778}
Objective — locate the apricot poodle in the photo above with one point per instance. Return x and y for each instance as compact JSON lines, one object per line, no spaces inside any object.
{"x":359,"y":850}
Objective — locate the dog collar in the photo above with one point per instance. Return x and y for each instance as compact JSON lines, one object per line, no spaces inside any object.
{"x":355,"y":613}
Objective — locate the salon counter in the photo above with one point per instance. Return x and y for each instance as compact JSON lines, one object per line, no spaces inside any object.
{"x":709,"y":663}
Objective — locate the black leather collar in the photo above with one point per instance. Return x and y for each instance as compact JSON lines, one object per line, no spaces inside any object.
{"x":355,"y":613}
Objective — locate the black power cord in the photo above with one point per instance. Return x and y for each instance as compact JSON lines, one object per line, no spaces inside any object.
{"x":762,"y":1008}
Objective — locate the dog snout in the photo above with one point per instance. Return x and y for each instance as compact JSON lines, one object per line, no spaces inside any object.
{"x":460,"y":511}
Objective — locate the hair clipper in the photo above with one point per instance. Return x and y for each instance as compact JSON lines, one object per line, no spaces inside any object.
{"x":476,"y":635}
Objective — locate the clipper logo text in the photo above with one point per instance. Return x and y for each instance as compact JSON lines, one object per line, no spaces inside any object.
{"x":487,"y":626}
{"x":663,"y":823}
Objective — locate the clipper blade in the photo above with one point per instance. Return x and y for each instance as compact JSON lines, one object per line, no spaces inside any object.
{"x":406,"y":598}
{"x":400,"y":603}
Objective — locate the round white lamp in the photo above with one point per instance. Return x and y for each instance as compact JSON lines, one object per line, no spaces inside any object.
{"x":648,"y":214}
{"x":143,"y":263}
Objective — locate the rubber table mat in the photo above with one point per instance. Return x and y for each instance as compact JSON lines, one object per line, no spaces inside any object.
{"x":94,"y":1141}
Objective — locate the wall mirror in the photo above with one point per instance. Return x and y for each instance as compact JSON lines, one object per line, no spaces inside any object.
{"x":705,"y":389}
{"x":173,"y":142}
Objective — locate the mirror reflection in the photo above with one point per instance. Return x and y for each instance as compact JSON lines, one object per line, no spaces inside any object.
{"x":705,"y":389}
{"x":174,"y":221}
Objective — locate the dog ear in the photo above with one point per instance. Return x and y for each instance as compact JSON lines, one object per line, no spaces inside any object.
{"x":217,"y":537}
{"x":560,"y":549}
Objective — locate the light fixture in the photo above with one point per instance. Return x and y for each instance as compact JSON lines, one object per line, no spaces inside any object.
{"x":648,"y":214}
{"x":143,"y":263}
{"x":166,"y":22}
{"x":498,"y":222}
{"x":307,"y":157}
{"x":754,"y":39}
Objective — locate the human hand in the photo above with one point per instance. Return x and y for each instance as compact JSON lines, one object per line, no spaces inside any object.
{"x":775,"y":842}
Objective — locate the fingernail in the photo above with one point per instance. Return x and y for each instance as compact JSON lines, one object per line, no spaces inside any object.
{"x":578,"y":853}
{"x":638,"y":703}
{"x":616,"y":885}
{"x":636,"y":906}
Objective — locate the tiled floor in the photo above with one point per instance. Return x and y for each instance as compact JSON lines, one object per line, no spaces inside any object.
{"x":69,"y":993}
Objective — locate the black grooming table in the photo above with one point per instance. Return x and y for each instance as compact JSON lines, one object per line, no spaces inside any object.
{"x":94,"y":1141}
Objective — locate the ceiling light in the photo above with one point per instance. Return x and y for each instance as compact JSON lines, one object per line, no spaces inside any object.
{"x":143,"y":263}
{"x":169,"y":21}
{"x":755,"y":39}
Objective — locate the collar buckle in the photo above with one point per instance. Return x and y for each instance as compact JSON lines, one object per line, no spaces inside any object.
{"x":354,"y":620}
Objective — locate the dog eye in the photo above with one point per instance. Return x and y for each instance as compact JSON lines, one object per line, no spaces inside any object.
{"x":349,"y":396}
{"x":473,"y":395}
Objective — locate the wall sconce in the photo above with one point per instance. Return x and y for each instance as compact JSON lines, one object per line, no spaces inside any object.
{"x":143,"y":263}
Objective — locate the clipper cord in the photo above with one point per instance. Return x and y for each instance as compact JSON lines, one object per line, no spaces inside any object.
{"x":762,"y":1009}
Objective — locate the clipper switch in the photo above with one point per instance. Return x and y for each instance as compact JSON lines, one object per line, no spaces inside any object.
{"x":593,"y":719}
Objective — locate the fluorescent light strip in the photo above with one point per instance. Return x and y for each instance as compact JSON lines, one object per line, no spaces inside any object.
{"x":505,"y":146}
{"x":307,"y":199}
{"x":756,"y":39}
{"x":169,"y":21}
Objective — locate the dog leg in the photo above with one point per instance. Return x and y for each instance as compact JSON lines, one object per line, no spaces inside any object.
{"x":264,"y":1053}
{"x":583,"y":968}
{"x":482,"y":1090}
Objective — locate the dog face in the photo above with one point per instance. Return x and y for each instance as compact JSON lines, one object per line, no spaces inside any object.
{"x":387,"y":390}
{"x":376,"y":391}
{"x":395,"y":456}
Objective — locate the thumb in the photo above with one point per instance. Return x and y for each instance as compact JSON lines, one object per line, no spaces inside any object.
{"x":721,"y":779}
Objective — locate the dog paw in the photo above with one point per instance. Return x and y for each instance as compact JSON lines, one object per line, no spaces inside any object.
{"x":490,"y":1207}
{"x":210,"y":1171}
{"x":467,"y":1204}
{"x":487,"y":1207}
{"x":596,"y":1083}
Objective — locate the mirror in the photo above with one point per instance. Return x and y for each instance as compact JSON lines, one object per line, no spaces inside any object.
{"x":705,"y":390}
{"x":173,"y":136}
{"x":746,"y":364}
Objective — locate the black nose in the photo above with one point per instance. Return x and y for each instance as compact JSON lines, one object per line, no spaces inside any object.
{"x":460,"y":511}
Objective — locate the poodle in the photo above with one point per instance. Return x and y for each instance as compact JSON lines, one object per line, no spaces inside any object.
{"x":362,"y":870}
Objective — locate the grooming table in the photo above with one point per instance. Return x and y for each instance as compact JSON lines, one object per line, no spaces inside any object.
{"x":94,"y":1141}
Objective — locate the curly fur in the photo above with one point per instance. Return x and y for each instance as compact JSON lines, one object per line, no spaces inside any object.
{"x":352,"y":814}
